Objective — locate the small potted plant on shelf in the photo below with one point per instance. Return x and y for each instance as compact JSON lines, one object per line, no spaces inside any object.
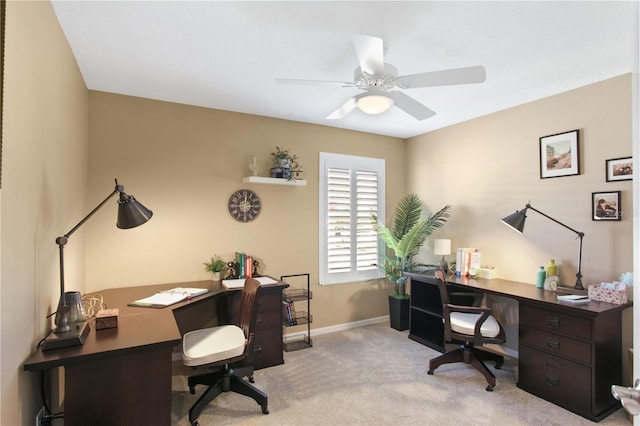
{"x":216,"y":266}
{"x":285,"y":165}
{"x":404,"y":240}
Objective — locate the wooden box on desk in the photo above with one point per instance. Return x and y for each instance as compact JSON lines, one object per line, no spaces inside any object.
{"x":107,"y":318}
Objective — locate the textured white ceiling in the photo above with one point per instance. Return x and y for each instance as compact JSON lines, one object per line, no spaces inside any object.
{"x":227,"y":55}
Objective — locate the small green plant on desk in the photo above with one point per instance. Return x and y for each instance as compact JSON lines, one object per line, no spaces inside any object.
{"x":216,"y":266}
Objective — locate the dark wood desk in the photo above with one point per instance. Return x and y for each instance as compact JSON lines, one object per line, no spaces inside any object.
{"x":569,"y":355}
{"x":122,"y":376}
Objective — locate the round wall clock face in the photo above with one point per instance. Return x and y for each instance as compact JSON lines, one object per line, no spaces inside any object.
{"x":244,"y":205}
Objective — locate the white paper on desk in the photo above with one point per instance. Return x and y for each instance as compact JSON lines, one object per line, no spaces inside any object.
{"x":239,"y":283}
{"x":169,"y":297}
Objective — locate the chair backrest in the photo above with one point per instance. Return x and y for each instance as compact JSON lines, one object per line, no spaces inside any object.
{"x":249,"y":310}
{"x":248,"y":305}
{"x":441,"y":279}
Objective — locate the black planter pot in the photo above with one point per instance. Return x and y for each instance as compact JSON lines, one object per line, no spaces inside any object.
{"x":399,"y":313}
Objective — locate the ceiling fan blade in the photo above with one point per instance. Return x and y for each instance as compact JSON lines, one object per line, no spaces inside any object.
{"x":345,"y":109}
{"x":370,"y":52}
{"x":452,"y":76}
{"x":411,"y":106}
{"x":313,"y":82}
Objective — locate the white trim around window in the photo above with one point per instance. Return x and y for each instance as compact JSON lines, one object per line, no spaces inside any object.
{"x":351,"y":192}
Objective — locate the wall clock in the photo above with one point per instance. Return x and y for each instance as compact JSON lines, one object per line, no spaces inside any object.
{"x":244,"y":205}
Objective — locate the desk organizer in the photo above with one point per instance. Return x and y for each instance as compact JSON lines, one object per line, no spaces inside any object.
{"x":603,"y":294}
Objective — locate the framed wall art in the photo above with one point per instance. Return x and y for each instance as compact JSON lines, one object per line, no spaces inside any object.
{"x":559,"y":155}
{"x":605,"y":205}
{"x":619,"y":169}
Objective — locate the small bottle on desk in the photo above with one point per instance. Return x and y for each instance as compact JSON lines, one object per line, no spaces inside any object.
{"x":542,"y":275}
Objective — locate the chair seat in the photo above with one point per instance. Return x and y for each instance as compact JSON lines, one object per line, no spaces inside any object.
{"x":465,"y":323}
{"x":209,"y":345}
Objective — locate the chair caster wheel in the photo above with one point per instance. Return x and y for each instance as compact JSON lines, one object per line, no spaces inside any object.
{"x":195,"y":423}
{"x":251,"y":380}
{"x":498,"y":366}
{"x":192,"y":391}
{"x":490,"y":388}
{"x":265,"y":410}
{"x":430,"y":372}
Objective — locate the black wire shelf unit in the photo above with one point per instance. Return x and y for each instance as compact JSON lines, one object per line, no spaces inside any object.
{"x":292,"y":316}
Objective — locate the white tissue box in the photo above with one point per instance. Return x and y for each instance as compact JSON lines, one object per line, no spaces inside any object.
{"x":487,"y":273}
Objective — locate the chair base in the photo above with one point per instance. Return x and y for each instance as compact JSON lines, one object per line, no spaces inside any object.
{"x":472,"y":356}
{"x":226,"y":380}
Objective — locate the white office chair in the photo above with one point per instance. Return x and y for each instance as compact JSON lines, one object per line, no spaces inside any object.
{"x":229,"y":346}
{"x":468,"y":327}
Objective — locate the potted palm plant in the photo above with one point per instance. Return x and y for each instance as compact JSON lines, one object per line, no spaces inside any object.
{"x":404,"y":240}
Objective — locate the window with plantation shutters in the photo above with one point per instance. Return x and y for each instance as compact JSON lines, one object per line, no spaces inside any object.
{"x":351,"y":195}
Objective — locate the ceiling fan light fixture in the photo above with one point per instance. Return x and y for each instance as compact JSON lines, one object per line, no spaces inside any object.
{"x":374,"y":104}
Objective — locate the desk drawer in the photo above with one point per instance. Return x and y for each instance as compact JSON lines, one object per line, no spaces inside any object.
{"x":556,"y":344}
{"x":267,"y":302}
{"x":267,"y":348}
{"x":268,"y":319}
{"x":556,"y":321}
{"x":555,"y":379}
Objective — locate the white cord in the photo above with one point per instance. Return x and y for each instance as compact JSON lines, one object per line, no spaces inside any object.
{"x":93,"y":304}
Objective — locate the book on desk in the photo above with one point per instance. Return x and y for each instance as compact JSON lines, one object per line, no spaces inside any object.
{"x":168,"y":297}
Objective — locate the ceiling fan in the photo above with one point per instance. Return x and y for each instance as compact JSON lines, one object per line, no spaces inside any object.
{"x":380,"y":82}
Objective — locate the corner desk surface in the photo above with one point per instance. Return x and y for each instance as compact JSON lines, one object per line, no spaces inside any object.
{"x":122,"y":376}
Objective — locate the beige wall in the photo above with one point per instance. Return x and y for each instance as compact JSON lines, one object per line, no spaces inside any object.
{"x":43,"y":191}
{"x":488,"y":168}
{"x":183,"y":163}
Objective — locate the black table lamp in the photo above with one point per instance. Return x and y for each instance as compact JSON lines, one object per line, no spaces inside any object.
{"x":130,"y":214}
{"x":517,"y":219}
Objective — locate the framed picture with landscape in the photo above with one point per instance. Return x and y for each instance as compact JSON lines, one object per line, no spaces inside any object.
{"x":605,"y":205}
{"x":559,"y":155}
{"x":619,"y":169}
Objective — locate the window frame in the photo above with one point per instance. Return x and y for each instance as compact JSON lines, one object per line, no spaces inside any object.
{"x":353,"y":164}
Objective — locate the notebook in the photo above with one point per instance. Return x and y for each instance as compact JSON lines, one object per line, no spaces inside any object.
{"x":169,"y":297}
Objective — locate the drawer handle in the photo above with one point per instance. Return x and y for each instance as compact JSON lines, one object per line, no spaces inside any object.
{"x":553,"y":322}
{"x":553,"y":343}
{"x":553,"y":380}
{"x":257,"y":349}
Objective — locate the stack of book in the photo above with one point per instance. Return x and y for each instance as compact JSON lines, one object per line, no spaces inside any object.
{"x":244,"y":265}
{"x":289,"y":313}
{"x":466,"y":259}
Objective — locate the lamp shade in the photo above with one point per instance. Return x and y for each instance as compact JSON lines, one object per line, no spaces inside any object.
{"x":131,"y":213}
{"x":374,"y":104}
{"x":442,"y":247}
{"x":516,"y":220}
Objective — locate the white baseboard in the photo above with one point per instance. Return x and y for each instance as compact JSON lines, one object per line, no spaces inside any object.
{"x":339,"y":327}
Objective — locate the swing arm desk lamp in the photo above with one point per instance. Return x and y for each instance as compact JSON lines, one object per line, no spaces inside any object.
{"x":130,"y":214}
{"x":516,"y":222}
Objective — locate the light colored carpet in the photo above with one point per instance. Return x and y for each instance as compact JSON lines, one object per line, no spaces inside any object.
{"x":375,"y":375}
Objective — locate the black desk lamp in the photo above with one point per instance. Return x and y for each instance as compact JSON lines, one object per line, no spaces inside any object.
{"x":130,"y":214}
{"x":517,"y":219}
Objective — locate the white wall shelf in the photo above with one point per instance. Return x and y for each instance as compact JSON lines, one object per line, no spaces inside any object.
{"x":274,"y":181}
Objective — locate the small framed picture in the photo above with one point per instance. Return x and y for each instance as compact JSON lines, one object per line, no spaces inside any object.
{"x":605,"y":205}
{"x":559,"y":155}
{"x":619,"y":169}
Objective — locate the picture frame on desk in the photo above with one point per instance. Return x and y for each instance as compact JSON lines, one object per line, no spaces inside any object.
{"x":560,"y":155}
{"x":606,"y":206}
